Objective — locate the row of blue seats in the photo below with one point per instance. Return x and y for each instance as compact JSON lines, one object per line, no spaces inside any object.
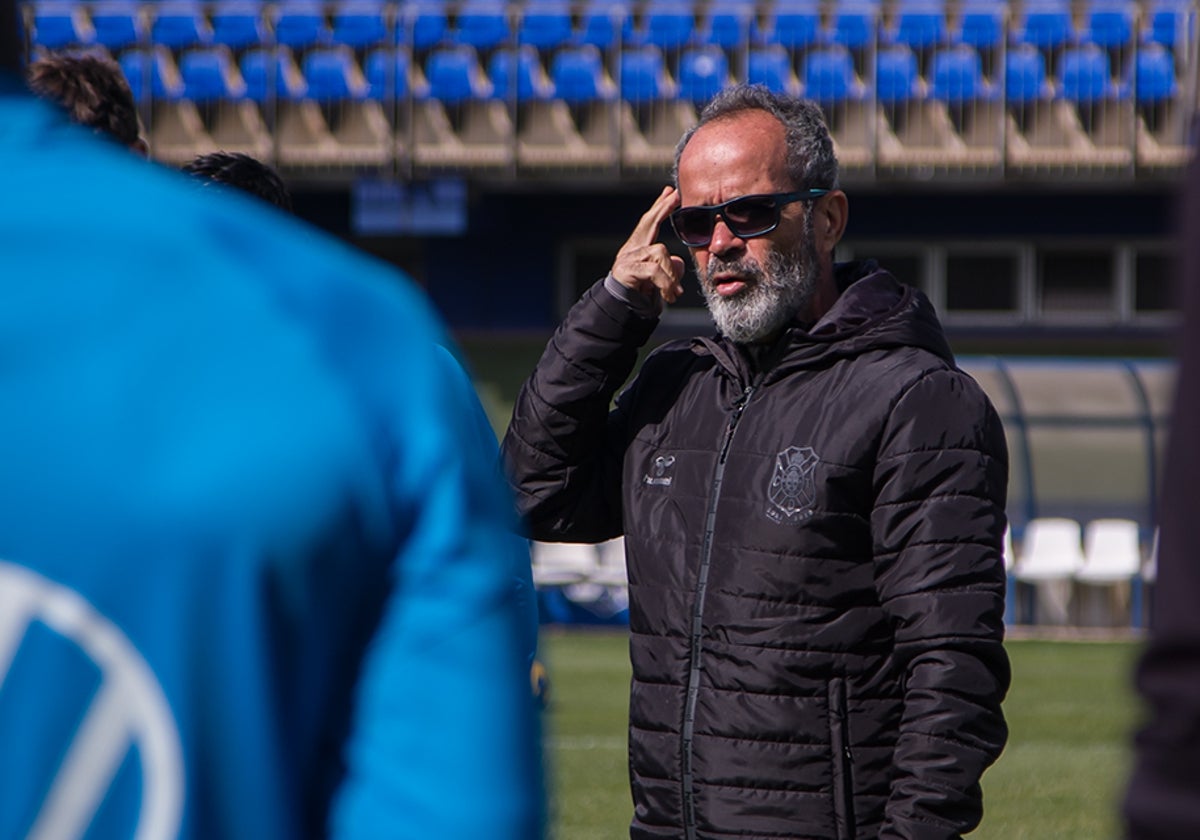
{"x":549,"y":24}
{"x":578,"y":75}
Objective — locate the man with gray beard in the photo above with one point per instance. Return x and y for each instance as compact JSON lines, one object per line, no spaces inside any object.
{"x":812,"y":501}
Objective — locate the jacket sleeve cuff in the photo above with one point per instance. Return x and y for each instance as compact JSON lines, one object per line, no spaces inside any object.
{"x":644,"y":306}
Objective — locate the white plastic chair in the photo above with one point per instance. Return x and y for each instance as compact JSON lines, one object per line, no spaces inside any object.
{"x":610,"y":565}
{"x":562,"y":564}
{"x":1010,"y":580}
{"x":1111,"y":552}
{"x":1051,"y":554}
{"x":1150,"y":568}
{"x":1112,"y":555}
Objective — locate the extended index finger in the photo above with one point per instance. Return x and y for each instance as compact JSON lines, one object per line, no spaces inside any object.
{"x":647,"y":227}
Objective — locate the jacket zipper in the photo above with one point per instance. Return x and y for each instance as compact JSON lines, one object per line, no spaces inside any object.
{"x":843,"y":760}
{"x":693,"y":689}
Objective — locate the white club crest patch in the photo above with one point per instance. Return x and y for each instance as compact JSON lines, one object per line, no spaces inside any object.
{"x":792,"y":489}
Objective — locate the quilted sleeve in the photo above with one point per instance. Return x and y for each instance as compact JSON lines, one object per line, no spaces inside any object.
{"x":938,"y":523}
{"x":563,"y":450}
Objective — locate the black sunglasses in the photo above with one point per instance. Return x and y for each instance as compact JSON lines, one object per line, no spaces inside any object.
{"x":746,"y":216}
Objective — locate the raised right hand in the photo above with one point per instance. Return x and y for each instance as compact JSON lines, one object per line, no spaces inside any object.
{"x":646,"y":265}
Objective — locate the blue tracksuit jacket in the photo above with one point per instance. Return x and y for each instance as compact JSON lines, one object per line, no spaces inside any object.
{"x":256,"y":578}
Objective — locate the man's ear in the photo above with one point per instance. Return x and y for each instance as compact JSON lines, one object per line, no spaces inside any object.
{"x":832,"y":214}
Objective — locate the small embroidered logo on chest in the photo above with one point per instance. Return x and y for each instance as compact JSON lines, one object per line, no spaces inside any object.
{"x":792,"y":488}
{"x":660,"y":472}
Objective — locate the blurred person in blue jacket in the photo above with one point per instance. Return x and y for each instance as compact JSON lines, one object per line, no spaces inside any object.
{"x":256,"y":568}
{"x":253,"y":177}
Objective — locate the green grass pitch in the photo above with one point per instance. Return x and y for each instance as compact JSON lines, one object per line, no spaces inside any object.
{"x":1071,"y":714}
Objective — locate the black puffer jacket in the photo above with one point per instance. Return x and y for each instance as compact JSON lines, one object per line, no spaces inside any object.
{"x":813,"y":539}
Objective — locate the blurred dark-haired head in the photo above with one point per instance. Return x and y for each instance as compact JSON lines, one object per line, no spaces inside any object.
{"x":243,"y":172}
{"x":93,"y":91}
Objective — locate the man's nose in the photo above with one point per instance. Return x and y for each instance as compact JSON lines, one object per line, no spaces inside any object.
{"x":724,"y":239}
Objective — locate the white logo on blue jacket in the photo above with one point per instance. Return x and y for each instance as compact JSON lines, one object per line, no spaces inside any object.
{"x":128,"y":712}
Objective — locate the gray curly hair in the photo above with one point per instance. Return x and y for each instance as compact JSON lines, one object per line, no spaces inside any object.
{"x":810,"y":158}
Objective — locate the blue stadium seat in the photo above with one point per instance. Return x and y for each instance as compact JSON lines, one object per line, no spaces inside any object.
{"x":793,"y":24}
{"x":331,"y":75}
{"x":60,"y":24}
{"x":545,"y":24}
{"x":210,"y":74}
{"x":729,"y":25}
{"x":482,"y":24}
{"x":644,"y":76}
{"x":1168,"y":22}
{"x":600,"y":23}
{"x":238,"y":24}
{"x":1084,"y":74}
{"x":703,"y":72}
{"x":771,"y":66}
{"x":667,"y":24}
{"x":1046,"y":24}
{"x":1110,"y":23}
{"x":1155,"y":71}
{"x":151,"y":74}
{"x":179,"y":25}
{"x":578,"y":75}
{"x":300,"y":24}
{"x":455,"y":75}
{"x":118,"y":25}
{"x":361,"y":23}
{"x":896,"y":76}
{"x":388,"y":73}
{"x":428,"y":24}
{"x":272,"y":72}
{"x":918,"y":23}
{"x":518,"y":74}
{"x":957,"y":76}
{"x":1025,"y":75}
{"x":854,"y":23}
{"x":829,"y":75}
{"x":981,"y":24}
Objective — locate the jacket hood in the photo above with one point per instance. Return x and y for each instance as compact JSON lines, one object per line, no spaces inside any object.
{"x":874,"y":311}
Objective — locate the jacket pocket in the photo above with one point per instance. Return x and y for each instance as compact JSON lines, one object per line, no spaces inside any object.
{"x":843,"y":778}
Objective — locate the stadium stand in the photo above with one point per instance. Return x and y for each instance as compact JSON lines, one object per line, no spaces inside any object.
{"x":666,"y":24}
{"x":545,"y":25}
{"x":652,"y":115}
{"x":56,"y":24}
{"x":120,"y":24}
{"x":482,"y":24}
{"x":181,"y":25}
{"x":212,"y":80}
{"x":362,"y":24}
{"x":1087,"y":89}
{"x":703,"y":71}
{"x":238,"y":24}
{"x":730,"y":26}
{"x":829,"y":77}
{"x":461,"y":125}
{"x":771,"y":65}
{"x":794,"y":26}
